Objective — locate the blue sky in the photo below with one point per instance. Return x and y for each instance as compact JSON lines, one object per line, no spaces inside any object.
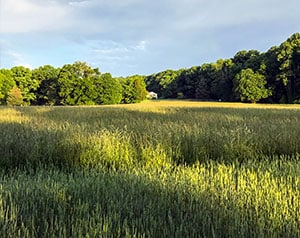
{"x":126,"y":37}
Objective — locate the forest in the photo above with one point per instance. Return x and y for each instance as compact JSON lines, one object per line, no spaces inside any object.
{"x":249,"y":76}
{"x":73,"y":84}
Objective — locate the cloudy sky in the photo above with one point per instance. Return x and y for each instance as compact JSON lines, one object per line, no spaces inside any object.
{"x":126,"y":37}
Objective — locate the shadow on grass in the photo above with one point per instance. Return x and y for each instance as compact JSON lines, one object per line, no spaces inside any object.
{"x":73,"y":203}
{"x":97,"y":204}
{"x":186,"y":134}
{"x":22,"y":146}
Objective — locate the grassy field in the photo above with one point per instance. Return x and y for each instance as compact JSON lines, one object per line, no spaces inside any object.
{"x":154,"y":169}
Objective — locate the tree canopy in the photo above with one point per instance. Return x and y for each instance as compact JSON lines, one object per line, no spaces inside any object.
{"x":250,"y":86}
{"x":275,"y":77}
{"x":72,"y":84}
{"x":272,"y":76}
{"x":109,"y":90}
{"x":6,"y":84}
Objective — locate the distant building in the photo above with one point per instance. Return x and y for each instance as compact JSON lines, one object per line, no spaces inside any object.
{"x":152,"y":95}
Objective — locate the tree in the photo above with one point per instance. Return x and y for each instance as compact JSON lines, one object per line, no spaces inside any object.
{"x":24,"y":81}
{"x":109,"y":89}
{"x":186,"y":82}
{"x":164,"y":83}
{"x":245,"y":59}
{"x":203,"y":90}
{"x":287,"y":57}
{"x":76,"y":84}
{"x":272,"y":71}
{"x":47,"y":92}
{"x":250,"y":86}
{"x":15,"y":97}
{"x":222,"y":83}
{"x":6,"y":84}
{"x":134,"y":89}
{"x":296,"y":72}
{"x":139,"y":88}
{"x":206,"y":76}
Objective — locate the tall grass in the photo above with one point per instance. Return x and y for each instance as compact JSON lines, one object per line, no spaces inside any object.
{"x":125,"y":136}
{"x":164,"y":169}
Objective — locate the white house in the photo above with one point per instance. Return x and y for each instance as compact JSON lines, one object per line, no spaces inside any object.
{"x":152,"y":95}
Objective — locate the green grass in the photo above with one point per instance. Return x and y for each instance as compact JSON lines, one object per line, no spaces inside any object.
{"x":155,"y":169}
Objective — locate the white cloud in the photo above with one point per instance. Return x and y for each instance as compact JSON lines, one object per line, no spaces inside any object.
{"x":136,"y":17}
{"x":22,"y":16}
{"x":207,"y":14}
{"x":140,"y":32}
{"x":110,"y":51}
{"x":113,"y":56}
{"x":141,"y":45}
{"x":18,"y":59}
{"x":12,"y":55}
{"x":116,"y":48}
{"x":80,"y":3}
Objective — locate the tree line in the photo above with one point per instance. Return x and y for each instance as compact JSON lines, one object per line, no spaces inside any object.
{"x":250,"y":76}
{"x":73,"y":84}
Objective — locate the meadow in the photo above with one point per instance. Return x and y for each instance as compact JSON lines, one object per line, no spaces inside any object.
{"x":154,"y":169}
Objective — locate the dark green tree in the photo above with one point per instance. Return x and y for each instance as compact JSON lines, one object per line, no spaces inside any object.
{"x":186,"y":82}
{"x":76,"y":84}
{"x":48,"y":91}
{"x":245,"y":59}
{"x":222,"y":82}
{"x":271,"y":72}
{"x":109,"y":89}
{"x":296,"y":72}
{"x":203,"y":90}
{"x":205,"y":79}
{"x":288,"y":76}
{"x":164,"y":83}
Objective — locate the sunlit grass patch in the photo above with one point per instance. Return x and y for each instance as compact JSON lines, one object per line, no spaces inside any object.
{"x":12,"y":115}
{"x":155,"y":169}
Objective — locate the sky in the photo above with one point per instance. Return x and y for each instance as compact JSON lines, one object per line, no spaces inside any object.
{"x":127,"y":37}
